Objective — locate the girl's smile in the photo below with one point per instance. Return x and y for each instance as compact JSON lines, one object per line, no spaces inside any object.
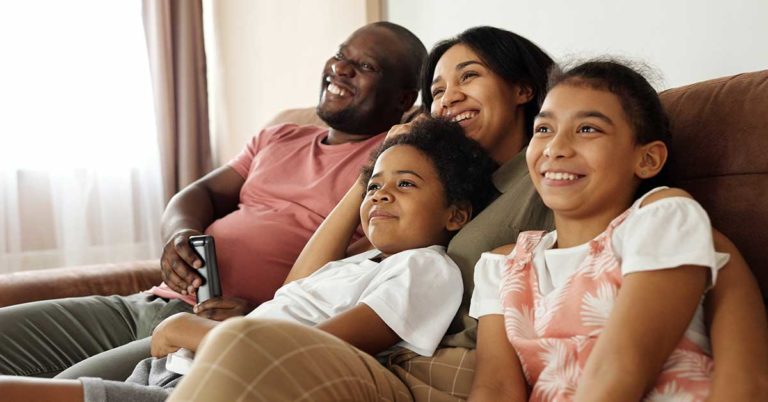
{"x":583,"y":155}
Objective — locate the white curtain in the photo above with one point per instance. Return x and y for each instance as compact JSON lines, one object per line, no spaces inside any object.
{"x":79,"y":172}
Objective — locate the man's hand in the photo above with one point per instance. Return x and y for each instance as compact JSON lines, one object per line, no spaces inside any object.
{"x":179,"y":263}
{"x":221,"y":308}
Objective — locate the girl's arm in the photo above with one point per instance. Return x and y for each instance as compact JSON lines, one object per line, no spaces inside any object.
{"x":498,"y":373}
{"x":651,"y":313}
{"x":736,"y":316}
{"x":331,"y":239}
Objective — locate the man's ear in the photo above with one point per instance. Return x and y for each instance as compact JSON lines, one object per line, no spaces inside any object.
{"x":651,"y":159}
{"x":524,"y":94}
{"x":408,"y":98}
{"x":460,"y":214}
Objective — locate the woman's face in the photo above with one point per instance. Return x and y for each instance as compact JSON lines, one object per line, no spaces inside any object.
{"x":489,"y":109}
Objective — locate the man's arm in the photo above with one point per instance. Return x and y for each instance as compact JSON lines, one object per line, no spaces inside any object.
{"x":188,"y":213}
{"x":736,"y":316}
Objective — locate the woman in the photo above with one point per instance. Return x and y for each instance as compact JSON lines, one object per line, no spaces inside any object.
{"x":492,"y":82}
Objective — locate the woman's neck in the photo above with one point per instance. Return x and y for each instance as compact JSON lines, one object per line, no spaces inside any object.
{"x":511,"y":144}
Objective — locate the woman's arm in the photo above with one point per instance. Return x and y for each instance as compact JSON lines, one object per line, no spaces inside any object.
{"x":736,"y":316}
{"x":650,"y":316}
{"x":331,"y":239}
{"x":498,"y":373}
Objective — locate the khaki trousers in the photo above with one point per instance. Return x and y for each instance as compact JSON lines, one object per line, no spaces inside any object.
{"x":266,"y":360}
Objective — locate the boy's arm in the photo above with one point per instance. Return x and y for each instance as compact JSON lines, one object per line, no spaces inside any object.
{"x":737,"y":319}
{"x":650,"y":316}
{"x":180,"y":330}
{"x":331,"y":239}
{"x":361,"y":327}
{"x":498,"y":373}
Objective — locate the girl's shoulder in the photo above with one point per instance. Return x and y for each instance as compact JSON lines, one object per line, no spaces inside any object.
{"x":663,"y":193}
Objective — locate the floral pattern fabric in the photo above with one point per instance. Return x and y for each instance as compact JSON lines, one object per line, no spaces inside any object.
{"x":553,"y":334}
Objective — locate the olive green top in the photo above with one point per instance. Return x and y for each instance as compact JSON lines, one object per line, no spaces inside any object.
{"x":518,"y":208}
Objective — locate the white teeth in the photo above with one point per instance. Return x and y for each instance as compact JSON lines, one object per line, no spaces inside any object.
{"x":463,"y":116}
{"x":336,"y":90}
{"x":560,"y":176}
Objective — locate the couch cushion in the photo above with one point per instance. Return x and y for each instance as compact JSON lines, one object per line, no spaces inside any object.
{"x":719,"y":153}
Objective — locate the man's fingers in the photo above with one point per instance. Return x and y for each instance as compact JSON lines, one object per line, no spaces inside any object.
{"x":175,"y":282}
{"x":185,"y":251}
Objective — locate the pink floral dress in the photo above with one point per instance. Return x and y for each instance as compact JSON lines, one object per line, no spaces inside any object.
{"x":554,"y":334}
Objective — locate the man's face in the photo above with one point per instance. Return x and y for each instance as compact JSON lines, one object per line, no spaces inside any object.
{"x":361,"y":90}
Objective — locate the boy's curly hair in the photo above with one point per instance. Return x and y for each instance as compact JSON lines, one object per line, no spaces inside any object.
{"x":463,"y":166}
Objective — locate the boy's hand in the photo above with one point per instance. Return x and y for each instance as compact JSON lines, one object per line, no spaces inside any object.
{"x":182,"y":330}
{"x":179,"y":263}
{"x":163,"y":341}
{"x":221,"y":308}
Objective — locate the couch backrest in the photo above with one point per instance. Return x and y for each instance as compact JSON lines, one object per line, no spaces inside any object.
{"x":719,"y":153}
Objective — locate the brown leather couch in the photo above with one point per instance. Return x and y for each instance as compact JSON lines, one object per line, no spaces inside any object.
{"x":719,"y":153}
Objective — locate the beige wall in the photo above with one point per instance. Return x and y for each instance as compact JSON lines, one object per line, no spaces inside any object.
{"x":686,"y":40}
{"x":267,"y":55}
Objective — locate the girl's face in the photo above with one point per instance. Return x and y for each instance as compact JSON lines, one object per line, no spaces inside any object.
{"x":489,"y":109}
{"x":583,"y":158}
{"x":404,"y":205}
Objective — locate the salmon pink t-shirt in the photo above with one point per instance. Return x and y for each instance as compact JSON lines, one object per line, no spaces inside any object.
{"x":292,"y":182}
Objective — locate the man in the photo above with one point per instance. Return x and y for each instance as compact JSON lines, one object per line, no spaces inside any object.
{"x":261,"y":208}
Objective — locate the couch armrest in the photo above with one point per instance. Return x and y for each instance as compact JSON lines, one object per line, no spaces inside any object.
{"x":102,"y":279}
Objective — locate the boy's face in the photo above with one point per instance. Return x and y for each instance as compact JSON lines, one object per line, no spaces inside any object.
{"x":404,"y":205}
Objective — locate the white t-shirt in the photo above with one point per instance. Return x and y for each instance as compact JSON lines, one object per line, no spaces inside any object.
{"x":665,"y":234}
{"x":415,"y":292}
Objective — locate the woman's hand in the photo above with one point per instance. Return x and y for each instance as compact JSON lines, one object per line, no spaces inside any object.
{"x":182,"y":330}
{"x":221,"y":308}
{"x":400,"y":129}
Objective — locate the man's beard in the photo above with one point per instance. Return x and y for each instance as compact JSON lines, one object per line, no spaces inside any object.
{"x":345,"y":120}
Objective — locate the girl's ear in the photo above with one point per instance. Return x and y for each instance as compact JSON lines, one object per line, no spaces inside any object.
{"x":653,"y":156}
{"x":460,"y":214}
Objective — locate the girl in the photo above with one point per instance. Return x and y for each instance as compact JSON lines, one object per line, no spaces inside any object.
{"x":608,"y":306}
{"x":422,"y":188}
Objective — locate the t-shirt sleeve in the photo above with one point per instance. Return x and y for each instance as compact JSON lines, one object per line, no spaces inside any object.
{"x":485,"y":297}
{"x":241,"y":163}
{"x":669,"y":233}
{"x":417,"y":297}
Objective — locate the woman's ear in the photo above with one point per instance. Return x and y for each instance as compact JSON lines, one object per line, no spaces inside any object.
{"x":524,"y":94}
{"x":460,"y":214}
{"x":653,"y":156}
